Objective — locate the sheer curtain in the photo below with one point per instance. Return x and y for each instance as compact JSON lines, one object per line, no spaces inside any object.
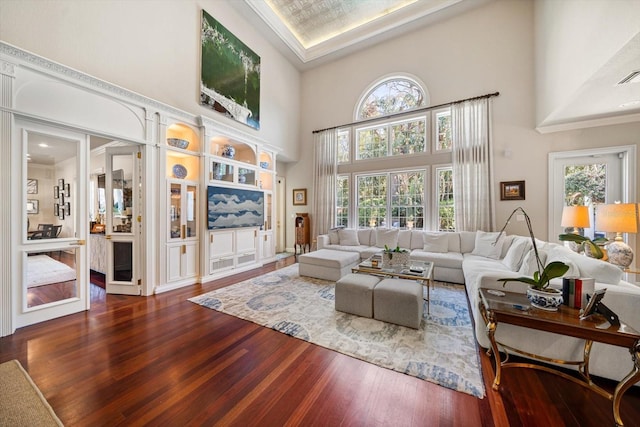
{"x":324,"y":182}
{"x":472,"y":165}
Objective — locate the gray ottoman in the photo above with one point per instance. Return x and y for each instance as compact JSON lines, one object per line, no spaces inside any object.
{"x":398,"y":301}
{"x":354,"y":294}
{"x":327,"y":264}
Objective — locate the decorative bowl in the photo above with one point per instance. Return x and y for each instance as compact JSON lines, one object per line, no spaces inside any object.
{"x":264,"y":165}
{"x":549,"y":299}
{"x":179,"y":171}
{"x":178,"y":143}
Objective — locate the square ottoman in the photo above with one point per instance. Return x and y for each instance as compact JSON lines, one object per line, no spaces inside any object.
{"x":398,"y":301}
{"x":327,"y":264}
{"x":354,"y":294}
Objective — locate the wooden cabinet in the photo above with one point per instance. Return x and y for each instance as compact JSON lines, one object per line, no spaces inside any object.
{"x":303,"y":232}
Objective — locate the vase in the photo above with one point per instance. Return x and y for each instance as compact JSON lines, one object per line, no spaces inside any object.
{"x":228,"y":151}
{"x":545,"y":299}
{"x":390,"y":259}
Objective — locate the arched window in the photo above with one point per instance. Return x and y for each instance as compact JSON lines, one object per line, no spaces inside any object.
{"x":393,"y":94}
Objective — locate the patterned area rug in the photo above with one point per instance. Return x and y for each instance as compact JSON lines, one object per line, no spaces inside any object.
{"x":442,"y":351}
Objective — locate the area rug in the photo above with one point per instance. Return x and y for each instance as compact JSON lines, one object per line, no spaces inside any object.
{"x":21,"y":402}
{"x":44,"y":270}
{"x":442,"y":351}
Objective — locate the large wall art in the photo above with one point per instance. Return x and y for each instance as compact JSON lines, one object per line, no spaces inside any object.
{"x":234,"y":208}
{"x":230,"y":74}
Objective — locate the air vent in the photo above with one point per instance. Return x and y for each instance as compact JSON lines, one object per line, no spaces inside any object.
{"x":633,"y":77}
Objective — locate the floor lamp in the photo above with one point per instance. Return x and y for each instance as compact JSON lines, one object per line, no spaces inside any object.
{"x":618,"y":218}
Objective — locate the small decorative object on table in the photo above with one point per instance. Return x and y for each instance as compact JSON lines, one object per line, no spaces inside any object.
{"x":228,"y":151}
{"x":539,"y":293}
{"x":395,"y":256}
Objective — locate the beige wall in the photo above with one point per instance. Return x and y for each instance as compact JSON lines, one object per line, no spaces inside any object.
{"x":153,"y":48}
{"x":488,"y":49}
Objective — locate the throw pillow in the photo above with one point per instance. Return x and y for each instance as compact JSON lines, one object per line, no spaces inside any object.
{"x":435,"y":242}
{"x":386,"y":236}
{"x":334,"y":239}
{"x":348,"y":237}
{"x":487,"y":246}
{"x":516,"y":252}
{"x":529,"y":264}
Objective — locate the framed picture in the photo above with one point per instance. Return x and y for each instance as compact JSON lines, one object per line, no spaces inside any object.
{"x":300,"y":196}
{"x":67,"y":209}
{"x":56,"y":209}
{"x":512,"y":190}
{"x":56,"y":192}
{"x":32,"y":206}
{"x":32,"y":186}
{"x":67,"y":190}
{"x":230,"y":74}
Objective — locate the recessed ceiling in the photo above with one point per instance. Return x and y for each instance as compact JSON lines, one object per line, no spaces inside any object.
{"x":315,"y":31}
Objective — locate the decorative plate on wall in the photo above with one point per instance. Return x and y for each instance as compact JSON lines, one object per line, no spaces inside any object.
{"x":179,"y":171}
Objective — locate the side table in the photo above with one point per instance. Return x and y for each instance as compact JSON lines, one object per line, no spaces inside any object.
{"x":508,"y":309}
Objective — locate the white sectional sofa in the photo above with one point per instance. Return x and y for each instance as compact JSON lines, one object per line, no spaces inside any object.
{"x":471,"y":258}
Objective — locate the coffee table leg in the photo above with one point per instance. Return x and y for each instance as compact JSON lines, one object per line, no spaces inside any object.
{"x":628,"y":381}
{"x":491,"y":330}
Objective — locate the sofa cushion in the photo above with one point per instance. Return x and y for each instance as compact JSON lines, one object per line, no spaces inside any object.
{"x":386,"y":236}
{"x":435,"y":242}
{"x":440,"y":259}
{"x":516,"y":252}
{"x":506,"y":244}
{"x":334,"y":239}
{"x":487,"y":246}
{"x":364,"y":236}
{"x":417,"y":241}
{"x":348,"y":237}
{"x":560,"y":254}
{"x":602,"y":271}
{"x":467,"y":241}
{"x":404,"y":239}
{"x":454,"y":241}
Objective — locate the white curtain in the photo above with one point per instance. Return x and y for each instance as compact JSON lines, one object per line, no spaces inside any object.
{"x":472,"y":165}
{"x":324,"y":182}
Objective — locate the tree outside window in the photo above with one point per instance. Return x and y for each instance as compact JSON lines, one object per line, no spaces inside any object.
{"x":342,"y":201}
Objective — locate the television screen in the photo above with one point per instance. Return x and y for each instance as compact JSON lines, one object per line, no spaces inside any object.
{"x":234,"y":208}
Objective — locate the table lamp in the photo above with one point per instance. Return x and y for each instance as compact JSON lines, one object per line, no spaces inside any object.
{"x":618,"y":218}
{"x":576,"y":217}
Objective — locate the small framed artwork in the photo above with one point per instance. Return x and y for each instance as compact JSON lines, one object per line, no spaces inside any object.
{"x":512,"y":190}
{"x":56,"y":192}
{"x":32,"y":186}
{"x":67,"y":208}
{"x":32,"y":206}
{"x":56,"y":209}
{"x":67,"y":190}
{"x":300,"y":196}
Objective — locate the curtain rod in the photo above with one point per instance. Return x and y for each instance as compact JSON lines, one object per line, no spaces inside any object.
{"x":404,"y":113}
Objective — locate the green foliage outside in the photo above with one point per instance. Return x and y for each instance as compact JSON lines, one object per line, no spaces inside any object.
{"x":585,"y":184}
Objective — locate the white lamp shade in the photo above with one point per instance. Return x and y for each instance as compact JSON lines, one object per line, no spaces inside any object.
{"x":575,"y":216}
{"x":617,"y":218}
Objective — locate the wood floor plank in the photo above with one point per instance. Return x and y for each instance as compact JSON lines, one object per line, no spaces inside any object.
{"x":163,"y":360}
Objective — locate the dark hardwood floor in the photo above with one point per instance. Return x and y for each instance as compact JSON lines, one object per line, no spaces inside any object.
{"x":162,"y":360}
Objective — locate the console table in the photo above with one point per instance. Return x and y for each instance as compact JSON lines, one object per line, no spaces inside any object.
{"x":515,"y":309}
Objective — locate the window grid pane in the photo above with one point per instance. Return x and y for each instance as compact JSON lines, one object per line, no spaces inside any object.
{"x":408,"y":138}
{"x":372,"y":143}
{"x":372,"y":201}
{"x":342,"y":202}
{"x":443,"y":130}
{"x":344,"y":144}
{"x":446,"y":213}
{"x":407,"y":199}
{"x":391,"y":96}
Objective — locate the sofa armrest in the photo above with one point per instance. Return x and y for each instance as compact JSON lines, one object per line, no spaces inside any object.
{"x":323,"y":241}
{"x":490,"y":281}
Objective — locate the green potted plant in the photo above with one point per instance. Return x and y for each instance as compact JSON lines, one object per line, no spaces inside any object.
{"x":539,"y":293}
{"x":591,"y":247}
{"x":396,"y":256}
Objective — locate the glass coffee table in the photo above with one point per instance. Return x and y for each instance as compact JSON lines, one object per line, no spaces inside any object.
{"x":416,"y":270}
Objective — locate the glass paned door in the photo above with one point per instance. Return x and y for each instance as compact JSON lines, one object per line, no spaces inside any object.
{"x":122,"y":186}
{"x":49,"y":280}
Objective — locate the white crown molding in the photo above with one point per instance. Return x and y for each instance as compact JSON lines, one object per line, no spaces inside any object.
{"x":550,"y":127}
{"x":352,"y":37}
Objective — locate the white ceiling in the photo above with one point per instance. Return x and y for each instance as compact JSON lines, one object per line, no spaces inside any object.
{"x":312,"y":32}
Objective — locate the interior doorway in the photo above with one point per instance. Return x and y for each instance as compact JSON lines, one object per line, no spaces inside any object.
{"x":281,"y":237}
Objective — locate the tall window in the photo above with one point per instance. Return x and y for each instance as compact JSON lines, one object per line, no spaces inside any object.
{"x":446,"y":213}
{"x":372,"y":200}
{"x":344,"y":144}
{"x":443,"y":129}
{"x":407,"y":199}
{"x":342,"y":201}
